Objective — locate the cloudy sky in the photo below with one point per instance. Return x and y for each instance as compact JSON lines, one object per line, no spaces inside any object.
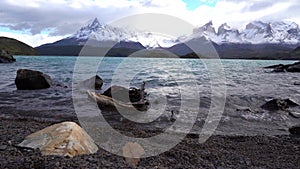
{"x":36,"y":22}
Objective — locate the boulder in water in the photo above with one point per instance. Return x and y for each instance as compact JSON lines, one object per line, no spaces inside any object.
{"x":123,"y":94}
{"x":6,"y":57}
{"x":95,"y":82}
{"x":32,"y":80}
{"x":295,"y":130}
{"x":295,"y":67}
{"x":279,"y":104}
{"x":63,"y":139}
{"x":121,"y":98}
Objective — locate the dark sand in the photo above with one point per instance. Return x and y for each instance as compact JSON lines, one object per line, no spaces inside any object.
{"x":217,"y":152}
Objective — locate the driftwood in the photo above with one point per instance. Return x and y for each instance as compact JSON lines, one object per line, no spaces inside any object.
{"x":108,"y":103}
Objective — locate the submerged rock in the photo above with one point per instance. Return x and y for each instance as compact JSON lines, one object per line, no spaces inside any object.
{"x":32,"y":80}
{"x":295,"y":130}
{"x":279,"y":104}
{"x":6,"y":57}
{"x":95,"y":82}
{"x":63,"y":139}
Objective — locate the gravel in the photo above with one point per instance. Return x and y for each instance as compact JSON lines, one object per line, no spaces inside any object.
{"x":217,"y":152}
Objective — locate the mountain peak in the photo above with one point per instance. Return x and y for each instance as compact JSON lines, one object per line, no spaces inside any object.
{"x":225,"y":28}
{"x":207,"y":28}
{"x":210,"y":23}
{"x":94,"y":24}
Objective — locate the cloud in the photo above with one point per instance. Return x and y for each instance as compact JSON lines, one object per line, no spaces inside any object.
{"x":63,"y":17}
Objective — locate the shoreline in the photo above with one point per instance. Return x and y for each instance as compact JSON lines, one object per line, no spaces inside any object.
{"x":252,"y":59}
{"x":218,"y":151}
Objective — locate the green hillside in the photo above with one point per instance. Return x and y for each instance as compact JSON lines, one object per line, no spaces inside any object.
{"x":16,"y":47}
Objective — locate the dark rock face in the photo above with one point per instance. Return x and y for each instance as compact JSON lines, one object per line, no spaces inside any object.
{"x":32,"y":80}
{"x":295,"y":130}
{"x":123,"y":94}
{"x":279,"y":104}
{"x":95,"y":82}
{"x":295,"y":67}
{"x":6,"y":57}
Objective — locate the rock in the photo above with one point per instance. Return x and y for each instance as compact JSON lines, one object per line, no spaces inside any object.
{"x":279,"y":104}
{"x":123,"y":94}
{"x":3,"y":147}
{"x":295,"y":67}
{"x":297,"y":83}
{"x":32,"y":80}
{"x":279,"y":69}
{"x":110,"y":104}
{"x":63,"y":139}
{"x":274,"y":66}
{"x":192,"y":135}
{"x":132,"y":153}
{"x":295,"y":130}
{"x":294,"y":114}
{"x":6,"y":57}
{"x":95,"y":82}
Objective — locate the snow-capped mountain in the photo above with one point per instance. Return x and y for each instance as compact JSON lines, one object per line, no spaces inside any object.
{"x":256,"y":32}
{"x":257,"y":40}
{"x":103,"y":32}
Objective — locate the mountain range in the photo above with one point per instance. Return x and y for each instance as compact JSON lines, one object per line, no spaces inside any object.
{"x":259,"y":40}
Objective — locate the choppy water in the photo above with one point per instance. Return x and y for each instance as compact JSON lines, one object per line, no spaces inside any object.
{"x":169,"y":85}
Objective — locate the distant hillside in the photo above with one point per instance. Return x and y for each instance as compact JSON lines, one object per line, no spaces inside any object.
{"x":296,"y":53}
{"x":16,"y":47}
{"x":71,"y":47}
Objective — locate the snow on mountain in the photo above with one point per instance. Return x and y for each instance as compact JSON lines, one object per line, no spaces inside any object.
{"x":256,"y":32}
{"x":103,"y":32}
{"x":228,"y":34}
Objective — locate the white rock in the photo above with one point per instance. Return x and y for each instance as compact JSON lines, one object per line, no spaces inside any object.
{"x":63,"y":139}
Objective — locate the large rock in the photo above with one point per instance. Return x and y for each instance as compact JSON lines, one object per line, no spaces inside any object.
{"x":95,"y":82}
{"x":63,"y":139}
{"x":295,"y":67}
{"x":123,"y":94}
{"x":32,"y":80}
{"x":6,"y":57}
{"x":295,"y":130}
{"x":279,"y":104}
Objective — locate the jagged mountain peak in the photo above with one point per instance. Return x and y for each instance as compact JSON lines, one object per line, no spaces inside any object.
{"x":255,"y":32}
{"x":225,"y":28}
{"x":259,"y":25}
{"x":205,"y":29}
{"x":94,"y":24}
{"x":209,"y":23}
{"x":104,"y":32}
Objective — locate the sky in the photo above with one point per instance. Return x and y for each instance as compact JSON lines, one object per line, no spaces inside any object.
{"x":37,"y":22}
